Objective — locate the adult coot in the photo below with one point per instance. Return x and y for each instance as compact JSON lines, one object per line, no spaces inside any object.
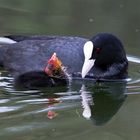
{"x":26,"y":57}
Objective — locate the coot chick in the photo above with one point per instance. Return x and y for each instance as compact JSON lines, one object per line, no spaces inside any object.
{"x":54,"y":74}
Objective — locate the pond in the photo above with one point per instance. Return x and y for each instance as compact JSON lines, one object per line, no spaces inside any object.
{"x":84,"y":110}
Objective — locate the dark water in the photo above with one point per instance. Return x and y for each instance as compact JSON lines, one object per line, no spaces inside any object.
{"x":84,"y":110}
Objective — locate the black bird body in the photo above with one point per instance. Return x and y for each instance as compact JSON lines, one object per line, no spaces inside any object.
{"x":27,"y":58}
{"x":32,"y":54}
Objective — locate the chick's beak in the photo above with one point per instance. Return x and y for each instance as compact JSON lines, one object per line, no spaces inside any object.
{"x":54,"y":65}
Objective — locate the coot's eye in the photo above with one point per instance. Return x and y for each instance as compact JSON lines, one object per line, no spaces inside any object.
{"x":98,"y":50}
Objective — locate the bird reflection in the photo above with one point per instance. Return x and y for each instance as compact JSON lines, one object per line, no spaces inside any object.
{"x":102,"y":101}
{"x":86,"y":102}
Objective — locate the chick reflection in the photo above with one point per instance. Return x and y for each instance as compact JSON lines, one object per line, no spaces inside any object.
{"x":101,"y":102}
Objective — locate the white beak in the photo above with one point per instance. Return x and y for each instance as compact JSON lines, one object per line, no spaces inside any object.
{"x":89,"y":63}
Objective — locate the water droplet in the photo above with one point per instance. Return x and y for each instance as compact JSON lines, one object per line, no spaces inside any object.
{"x":91,"y":20}
{"x":137,"y":30}
{"x":121,"y":5}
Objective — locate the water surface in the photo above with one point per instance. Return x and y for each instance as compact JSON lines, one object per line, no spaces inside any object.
{"x":84,"y":110}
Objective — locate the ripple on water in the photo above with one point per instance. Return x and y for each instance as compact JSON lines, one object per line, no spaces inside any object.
{"x":4,"y":109}
{"x":133,"y":59}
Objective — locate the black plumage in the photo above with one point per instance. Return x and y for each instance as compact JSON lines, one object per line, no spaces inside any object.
{"x":27,"y":58}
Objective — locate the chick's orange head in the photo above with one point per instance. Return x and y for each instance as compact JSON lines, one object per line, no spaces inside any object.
{"x":53,"y":65}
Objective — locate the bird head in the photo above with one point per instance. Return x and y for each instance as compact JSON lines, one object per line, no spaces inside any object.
{"x":102,"y":51}
{"x":54,"y":67}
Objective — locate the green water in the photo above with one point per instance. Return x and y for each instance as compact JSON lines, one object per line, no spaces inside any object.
{"x":113,"y":107}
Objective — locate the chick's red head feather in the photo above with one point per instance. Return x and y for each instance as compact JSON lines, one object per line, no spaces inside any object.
{"x":54,"y":66}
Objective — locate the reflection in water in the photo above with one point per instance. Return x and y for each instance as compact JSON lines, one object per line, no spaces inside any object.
{"x":103,"y":101}
{"x":100,"y":101}
{"x":86,"y":102}
{"x":133,"y":59}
